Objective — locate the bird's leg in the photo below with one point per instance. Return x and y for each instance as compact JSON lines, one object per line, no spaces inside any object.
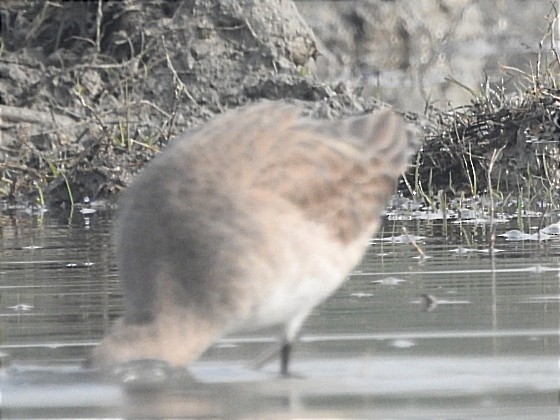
{"x":285,"y":351}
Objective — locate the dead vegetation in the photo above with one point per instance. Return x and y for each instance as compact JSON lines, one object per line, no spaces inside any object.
{"x":90,"y":90}
{"x":504,"y":143}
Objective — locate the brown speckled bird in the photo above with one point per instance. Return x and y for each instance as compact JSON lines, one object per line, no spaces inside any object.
{"x":248,"y":222}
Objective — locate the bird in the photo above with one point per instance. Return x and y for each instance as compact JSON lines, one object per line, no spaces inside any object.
{"x":248,"y":222}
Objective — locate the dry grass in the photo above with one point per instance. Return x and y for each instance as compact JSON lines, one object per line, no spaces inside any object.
{"x":499,"y":143}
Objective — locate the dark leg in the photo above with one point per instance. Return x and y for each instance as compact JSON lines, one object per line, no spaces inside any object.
{"x":285,"y":358}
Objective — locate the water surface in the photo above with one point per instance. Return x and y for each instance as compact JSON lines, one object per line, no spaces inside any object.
{"x":459,"y":333}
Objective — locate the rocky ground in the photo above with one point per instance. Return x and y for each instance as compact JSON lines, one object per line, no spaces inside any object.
{"x":89,"y":91}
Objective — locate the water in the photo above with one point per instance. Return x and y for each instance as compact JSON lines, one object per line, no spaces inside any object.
{"x":461,"y":333}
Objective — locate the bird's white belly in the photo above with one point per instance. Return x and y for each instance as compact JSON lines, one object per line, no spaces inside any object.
{"x":300,"y":277}
{"x":287,"y":301}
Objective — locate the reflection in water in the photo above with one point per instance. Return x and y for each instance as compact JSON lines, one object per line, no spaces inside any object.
{"x":458,"y":334}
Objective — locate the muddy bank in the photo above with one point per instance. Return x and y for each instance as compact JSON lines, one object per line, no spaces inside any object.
{"x":403,"y":51}
{"x":90,"y":91}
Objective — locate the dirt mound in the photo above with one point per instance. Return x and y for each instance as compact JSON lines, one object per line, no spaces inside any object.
{"x":90,"y":90}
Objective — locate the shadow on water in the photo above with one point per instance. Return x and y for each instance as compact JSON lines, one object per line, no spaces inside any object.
{"x":460,"y":332}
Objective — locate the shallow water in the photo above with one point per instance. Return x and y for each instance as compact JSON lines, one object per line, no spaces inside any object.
{"x":461,"y":333}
